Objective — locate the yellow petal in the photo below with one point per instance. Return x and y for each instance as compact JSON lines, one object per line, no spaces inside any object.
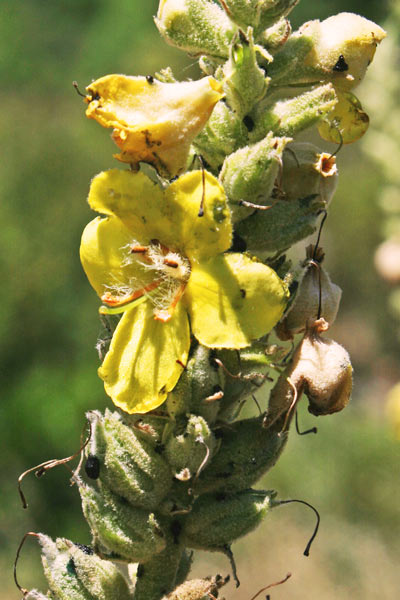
{"x":103,"y":255}
{"x":200,"y":237}
{"x":153,"y":122}
{"x":141,"y":365}
{"x":171,"y":216}
{"x":346,"y":123}
{"x":233,"y":300}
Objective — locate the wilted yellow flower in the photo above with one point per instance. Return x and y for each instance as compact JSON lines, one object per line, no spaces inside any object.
{"x":153,"y":122}
{"x":153,"y":248}
{"x":343,"y":47}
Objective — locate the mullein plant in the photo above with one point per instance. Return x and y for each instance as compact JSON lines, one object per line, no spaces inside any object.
{"x":188,"y":257}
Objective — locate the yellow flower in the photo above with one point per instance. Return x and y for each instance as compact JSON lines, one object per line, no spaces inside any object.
{"x":153,"y":122}
{"x":154,"y":258}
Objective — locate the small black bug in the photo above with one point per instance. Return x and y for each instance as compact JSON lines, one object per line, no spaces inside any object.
{"x":341,"y":65}
{"x":92,"y":467}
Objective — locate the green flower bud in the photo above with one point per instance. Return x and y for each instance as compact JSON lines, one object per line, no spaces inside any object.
{"x":306,"y":171}
{"x":274,"y":37}
{"x":188,"y":450}
{"x":217,"y":520}
{"x":290,"y":117}
{"x":287,"y":222}
{"x":249,"y":174}
{"x":128,"y":465}
{"x":258,"y":14}
{"x":245,"y":372}
{"x":338,"y":49}
{"x":74,"y":572}
{"x":128,"y":533}
{"x":206,"y":382}
{"x":247,"y":451}
{"x":197,"y":26}
{"x":245,"y":83}
{"x":320,"y":368}
{"x":223,"y":134}
{"x":316,"y":297}
{"x":198,"y":589}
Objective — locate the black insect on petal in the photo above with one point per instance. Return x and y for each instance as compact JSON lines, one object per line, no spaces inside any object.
{"x":341,"y":65}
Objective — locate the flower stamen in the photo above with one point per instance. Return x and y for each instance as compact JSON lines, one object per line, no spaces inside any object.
{"x":111,"y":300}
{"x":165,"y":315}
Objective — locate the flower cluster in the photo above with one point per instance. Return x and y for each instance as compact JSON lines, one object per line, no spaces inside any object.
{"x":188,"y":257}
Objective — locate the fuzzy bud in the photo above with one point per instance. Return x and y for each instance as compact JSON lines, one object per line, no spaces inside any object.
{"x":338,"y":49}
{"x":246,"y":453}
{"x":249,"y":174}
{"x":198,"y":589}
{"x":316,"y":297}
{"x":196,"y":26}
{"x":127,"y":533}
{"x":187,"y":450}
{"x":35,"y":595}
{"x":245,"y":83}
{"x":258,"y":14}
{"x":74,"y":572}
{"x":217,"y":520}
{"x":276,"y":36}
{"x":128,"y":464}
{"x":245,"y":371}
{"x":290,"y":117}
{"x":276,"y":229}
{"x":223,"y":134}
{"x":306,"y":171}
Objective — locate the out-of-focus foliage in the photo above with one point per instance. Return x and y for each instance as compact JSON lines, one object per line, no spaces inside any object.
{"x":49,"y":326}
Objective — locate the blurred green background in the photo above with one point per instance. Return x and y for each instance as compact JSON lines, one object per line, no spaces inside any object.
{"x":49,"y":324}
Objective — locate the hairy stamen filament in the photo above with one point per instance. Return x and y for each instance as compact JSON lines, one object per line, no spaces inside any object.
{"x":111,"y":300}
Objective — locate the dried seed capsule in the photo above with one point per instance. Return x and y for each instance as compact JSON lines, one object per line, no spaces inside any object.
{"x":316,"y":297}
{"x":247,"y":451}
{"x":128,"y":464}
{"x":217,"y":520}
{"x":196,"y":26}
{"x":306,"y":171}
{"x":187,"y":451}
{"x":128,"y":533}
{"x":75,"y":574}
{"x":320,"y":368}
{"x":249,"y":174}
{"x":198,"y":589}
